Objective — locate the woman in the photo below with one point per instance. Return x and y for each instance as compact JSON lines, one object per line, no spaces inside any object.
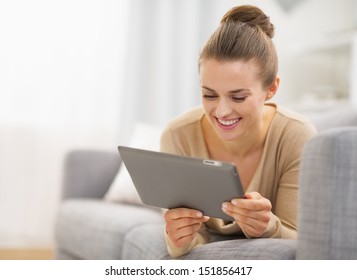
{"x":238,"y":72}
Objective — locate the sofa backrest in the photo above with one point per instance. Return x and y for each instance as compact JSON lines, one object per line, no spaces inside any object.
{"x":327,"y":215}
{"x":327,"y":120}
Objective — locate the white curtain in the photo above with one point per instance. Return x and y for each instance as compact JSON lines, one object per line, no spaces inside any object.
{"x":61,"y":71}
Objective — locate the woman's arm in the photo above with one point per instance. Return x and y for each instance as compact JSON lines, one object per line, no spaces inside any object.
{"x":256,"y":215}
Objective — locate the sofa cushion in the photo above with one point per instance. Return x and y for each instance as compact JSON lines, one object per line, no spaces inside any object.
{"x":145,"y":242}
{"x":93,"y":229}
{"x":245,"y":249}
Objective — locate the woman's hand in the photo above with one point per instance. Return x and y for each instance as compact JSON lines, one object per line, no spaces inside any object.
{"x":251,"y":213}
{"x":182,"y":225}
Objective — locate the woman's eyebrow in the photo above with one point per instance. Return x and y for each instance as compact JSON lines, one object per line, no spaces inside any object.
{"x":239,"y":90}
{"x":231,"y":91}
{"x":207,"y":88}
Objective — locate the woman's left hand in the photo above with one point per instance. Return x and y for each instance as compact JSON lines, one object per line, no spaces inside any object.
{"x":252,"y":213}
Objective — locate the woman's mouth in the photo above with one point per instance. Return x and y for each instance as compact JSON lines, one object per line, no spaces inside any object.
{"x":228,"y":124}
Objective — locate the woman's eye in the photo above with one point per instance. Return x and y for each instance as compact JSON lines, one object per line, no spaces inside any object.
{"x":209,"y":97}
{"x":239,"y":99}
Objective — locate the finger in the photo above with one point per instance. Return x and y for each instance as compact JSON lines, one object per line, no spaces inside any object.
{"x":251,"y":195}
{"x":254,"y":222}
{"x":246,"y":215}
{"x":235,"y":210}
{"x":182,"y":241}
{"x":174,"y":225}
{"x":256,"y":203}
{"x":178,"y":213}
{"x":254,"y":226}
{"x":184,"y":234}
{"x":187,"y":230}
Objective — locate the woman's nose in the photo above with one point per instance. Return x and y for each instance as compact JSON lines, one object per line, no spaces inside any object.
{"x":223,"y":109}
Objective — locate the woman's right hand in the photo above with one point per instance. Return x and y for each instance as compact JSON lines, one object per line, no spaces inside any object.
{"x":182,"y":225}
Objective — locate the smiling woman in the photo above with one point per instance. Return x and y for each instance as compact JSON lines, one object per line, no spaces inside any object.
{"x":236,"y":123}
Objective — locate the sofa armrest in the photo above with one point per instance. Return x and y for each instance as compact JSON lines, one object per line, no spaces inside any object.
{"x":328,"y":194}
{"x":89,"y":173}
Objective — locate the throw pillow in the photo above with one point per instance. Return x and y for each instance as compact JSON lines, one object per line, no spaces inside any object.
{"x":122,"y":189}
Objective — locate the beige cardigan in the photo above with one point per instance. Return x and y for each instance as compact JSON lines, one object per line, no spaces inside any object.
{"x":276,"y":177}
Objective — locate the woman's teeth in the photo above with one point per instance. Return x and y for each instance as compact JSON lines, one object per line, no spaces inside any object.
{"x":228,"y":123}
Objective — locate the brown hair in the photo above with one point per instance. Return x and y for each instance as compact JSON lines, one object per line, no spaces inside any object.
{"x":244,"y":33}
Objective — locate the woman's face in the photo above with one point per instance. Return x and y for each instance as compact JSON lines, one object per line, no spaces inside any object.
{"x":233,"y":97}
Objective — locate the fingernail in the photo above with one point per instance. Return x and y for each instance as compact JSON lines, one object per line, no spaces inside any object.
{"x":224,"y":205}
{"x":235,"y":202}
{"x":198,"y":214}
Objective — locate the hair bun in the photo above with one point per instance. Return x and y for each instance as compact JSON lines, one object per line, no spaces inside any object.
{"x":250,"y":15}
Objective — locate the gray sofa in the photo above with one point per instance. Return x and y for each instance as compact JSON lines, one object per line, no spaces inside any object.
{"x":87,"y":227}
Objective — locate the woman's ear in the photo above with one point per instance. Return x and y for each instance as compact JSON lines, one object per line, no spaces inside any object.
{"x":273,"y":88}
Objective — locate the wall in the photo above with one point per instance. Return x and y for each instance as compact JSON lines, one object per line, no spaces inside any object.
{"x":316,"y":54}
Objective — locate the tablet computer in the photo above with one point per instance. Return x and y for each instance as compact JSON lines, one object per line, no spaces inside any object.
{"x":171,"y":181}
